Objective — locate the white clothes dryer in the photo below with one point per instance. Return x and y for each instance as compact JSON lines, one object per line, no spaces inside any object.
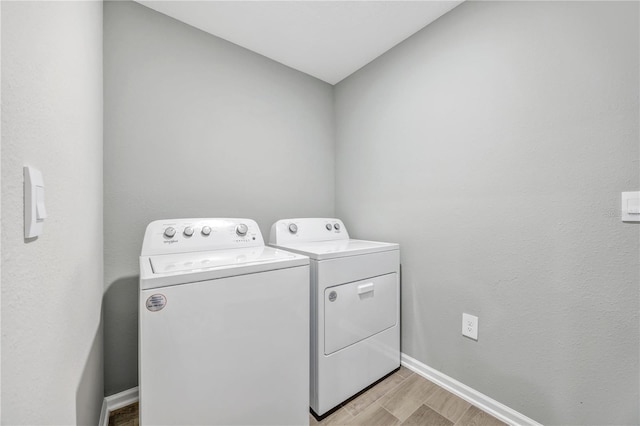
{"x":223,"y":326}
{"x":355,"y":307}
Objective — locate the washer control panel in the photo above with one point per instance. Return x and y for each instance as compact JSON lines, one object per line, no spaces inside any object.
{"x":307,"y":229}
{"x":189,"y":235}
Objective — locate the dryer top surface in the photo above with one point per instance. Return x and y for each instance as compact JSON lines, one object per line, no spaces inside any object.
{"x":322,"y":250}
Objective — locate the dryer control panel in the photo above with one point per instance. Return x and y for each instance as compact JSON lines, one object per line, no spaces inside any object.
{"x":191,"y":235}
{"x":304,"y":230}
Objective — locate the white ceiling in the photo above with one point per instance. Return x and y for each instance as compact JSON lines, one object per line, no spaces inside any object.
{"x":326,"y":39}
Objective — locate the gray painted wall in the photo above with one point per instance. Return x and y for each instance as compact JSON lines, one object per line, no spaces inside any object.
{"x":52,"y":287}
{"x":198,"y":127}
{"x":493,"y":146}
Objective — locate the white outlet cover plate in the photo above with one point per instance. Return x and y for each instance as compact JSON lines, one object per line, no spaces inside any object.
{"x":470,"y":326}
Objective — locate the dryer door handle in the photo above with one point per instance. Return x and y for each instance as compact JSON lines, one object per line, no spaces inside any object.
{"x":365,"y":288}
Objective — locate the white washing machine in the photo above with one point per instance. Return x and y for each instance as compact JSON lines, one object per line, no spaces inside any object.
{"x":355,"y":307}
{"x":224,"y":326}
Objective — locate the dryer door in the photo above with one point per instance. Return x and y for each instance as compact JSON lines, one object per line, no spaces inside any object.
{"x":357,"y":310}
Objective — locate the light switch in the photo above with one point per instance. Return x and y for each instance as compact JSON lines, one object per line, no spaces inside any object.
{"x":34,"y":210}
{"x":41,"y":211}
{"x":631,"y":206}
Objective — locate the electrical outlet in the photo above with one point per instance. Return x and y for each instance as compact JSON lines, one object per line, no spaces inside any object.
{"x":470,"y":326}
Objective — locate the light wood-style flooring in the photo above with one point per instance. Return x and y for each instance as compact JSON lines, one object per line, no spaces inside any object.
{"x":406,"y":398}
{"x":403,"y":398}
{"x":125,"y":416}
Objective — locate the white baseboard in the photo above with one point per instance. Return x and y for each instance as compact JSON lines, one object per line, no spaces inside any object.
{"x":113,"y":402}
{"x":480,"y":400}
{"x":104,"y":416}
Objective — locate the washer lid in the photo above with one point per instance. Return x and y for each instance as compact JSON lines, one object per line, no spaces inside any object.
{"x":215,"y":259}
{"x":321,"y":250}
{"x":171,"y":269}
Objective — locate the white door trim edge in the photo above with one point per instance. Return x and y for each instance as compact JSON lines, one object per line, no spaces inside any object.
{"x":480,"y":400}
{"x":113,"y":402}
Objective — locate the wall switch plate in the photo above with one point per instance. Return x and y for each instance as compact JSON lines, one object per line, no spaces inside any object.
{"x":34,"y":210}
{"x":631,"y":206}
{"x":470,"y":326}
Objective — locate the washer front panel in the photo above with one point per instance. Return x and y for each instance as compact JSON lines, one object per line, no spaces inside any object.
{"x":212,"y":354}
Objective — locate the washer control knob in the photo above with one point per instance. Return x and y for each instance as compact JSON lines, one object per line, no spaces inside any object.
{"x":188,"y":231}
{"x":169,"y":232}
{"x":336,"y":226}
{"x":206,"y":230}
{"x":242,"y":229}
{"x":293,"y":228}
{"x":329,"y":227}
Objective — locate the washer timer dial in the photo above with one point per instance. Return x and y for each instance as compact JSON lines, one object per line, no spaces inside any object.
{"x":242,"y":229}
